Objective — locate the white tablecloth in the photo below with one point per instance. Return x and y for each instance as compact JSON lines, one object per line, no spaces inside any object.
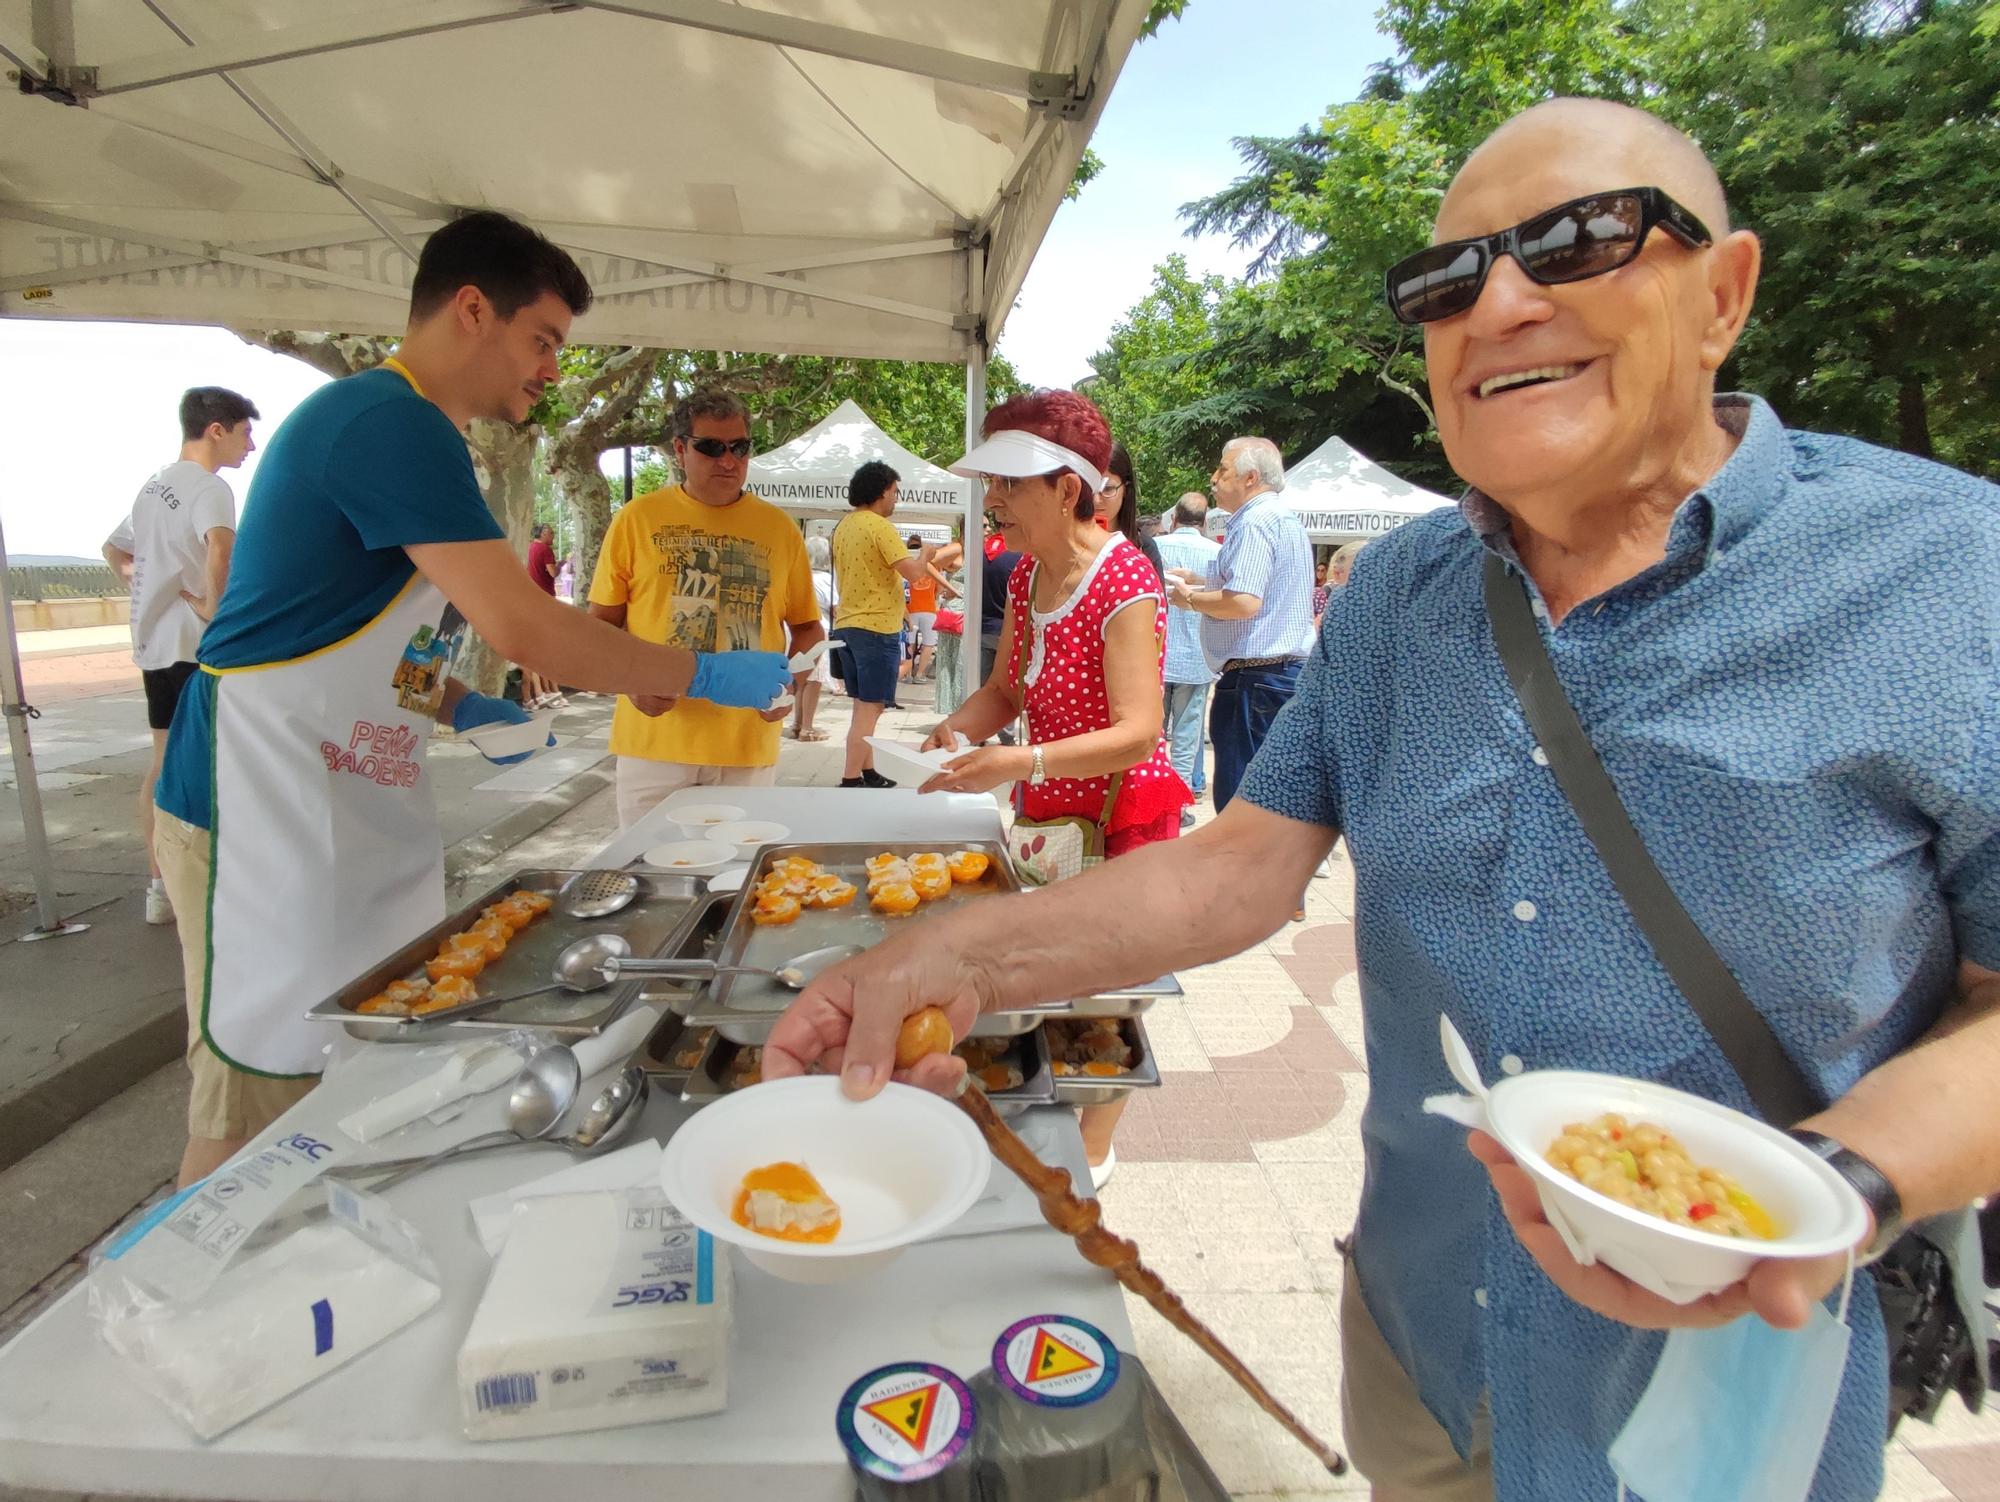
{"x":386,"y":1426}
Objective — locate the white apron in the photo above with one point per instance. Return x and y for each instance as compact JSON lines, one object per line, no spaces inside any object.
{"x":326,"y":852}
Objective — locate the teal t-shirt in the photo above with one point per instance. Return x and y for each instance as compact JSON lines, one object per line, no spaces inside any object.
{"x":363,"y":468}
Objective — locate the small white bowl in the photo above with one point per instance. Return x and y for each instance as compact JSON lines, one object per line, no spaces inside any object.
{"x":902,"y":1167}
{"x":1819,"y":1213}
{"x":729,"y":879}
{"x":748,"y":835}
{"x":907,"y":763}
{"x":699,"y":818}
{"x":691,"y":857}
{"x":499,"y":740}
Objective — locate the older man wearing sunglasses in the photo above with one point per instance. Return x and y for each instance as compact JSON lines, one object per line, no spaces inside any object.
{"x":703,"y":561}
{"x":1781,"y":647}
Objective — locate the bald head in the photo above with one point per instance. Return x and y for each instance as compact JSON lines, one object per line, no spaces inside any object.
{"x":1614,"y":145}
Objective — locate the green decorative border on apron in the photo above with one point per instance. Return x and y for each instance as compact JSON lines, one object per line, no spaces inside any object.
{"x":208,"y":934}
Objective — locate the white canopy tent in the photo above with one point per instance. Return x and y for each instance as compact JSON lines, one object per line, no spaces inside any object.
{"x":809,"y":475}
{"x":1344,"y":496}
{"x":859,"y":177}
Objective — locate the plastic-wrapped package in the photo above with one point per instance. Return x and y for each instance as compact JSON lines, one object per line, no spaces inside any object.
{"x":288,"y":1295}
{"x":908,"y":1431}
{"x":1061,"y":1417}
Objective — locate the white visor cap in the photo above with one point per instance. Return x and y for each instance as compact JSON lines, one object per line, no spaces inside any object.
{"x":1018,"y":454}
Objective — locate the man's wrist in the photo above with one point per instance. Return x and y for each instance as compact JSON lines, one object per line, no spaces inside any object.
{"x":1885,"y":1204}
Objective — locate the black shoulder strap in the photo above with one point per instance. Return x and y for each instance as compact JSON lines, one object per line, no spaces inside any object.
{"x":1775,"y":1083}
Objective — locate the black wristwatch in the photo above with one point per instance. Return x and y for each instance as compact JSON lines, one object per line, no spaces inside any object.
{"x":1869,"y":1182}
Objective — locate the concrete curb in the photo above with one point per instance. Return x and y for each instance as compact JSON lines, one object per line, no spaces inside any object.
{"x":42,"y":1110}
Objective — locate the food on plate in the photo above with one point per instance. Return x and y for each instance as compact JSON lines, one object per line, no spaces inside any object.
{"x":932,"y":884}
{"x":516,"y":918}
{"x":929,"y":860}
{"x":796,"y":865}
{"x":784,"y":1201}
{"x":875,"y":863}
{"x":381,"y":1005}
{"x":774,"y":909}
{"x":1645,"y":1168}
{"x":900,"y":874}
{"x":998,"y":1077}
{"x":536,"y":903}
{"x":968,"y":865}
{"x":397,"y":999}
{"x":1089,"y":1045}
{"x":896,"y":899}
{"x":922,"y":1034}
{"x":461,"y":962}
{"x":689,"y":1048}
{"x":784,"y":884}
{"x":496,"y":934}
{"x":746,"y":1068}
{"x":451,"y":991}
{"x":829,"y":891}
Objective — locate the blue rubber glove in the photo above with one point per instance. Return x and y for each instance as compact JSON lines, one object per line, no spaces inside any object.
{"x":474,"y":710}
{"x":741,"y":680}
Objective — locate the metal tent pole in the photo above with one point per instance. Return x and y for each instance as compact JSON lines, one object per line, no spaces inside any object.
{"x":14,"y":705}
{"x":975,"y":509}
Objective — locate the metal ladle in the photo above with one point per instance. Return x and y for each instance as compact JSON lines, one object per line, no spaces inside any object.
{"x":597,"y":961}
{"x":541,"y":1096}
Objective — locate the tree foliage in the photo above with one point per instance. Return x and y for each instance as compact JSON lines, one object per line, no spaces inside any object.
{"x":1859,"y":138}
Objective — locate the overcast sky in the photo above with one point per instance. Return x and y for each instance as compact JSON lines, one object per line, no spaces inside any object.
{"x":90,"y":407}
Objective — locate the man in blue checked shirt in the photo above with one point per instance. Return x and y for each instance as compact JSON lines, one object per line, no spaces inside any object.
{"x":1255,"y":603}
{"x":1783,"y":647}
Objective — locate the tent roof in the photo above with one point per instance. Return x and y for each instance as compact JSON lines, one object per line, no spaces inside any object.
{"x":810,"y":473}
{"x":860,"y":177}
{"x":1339,"y":492}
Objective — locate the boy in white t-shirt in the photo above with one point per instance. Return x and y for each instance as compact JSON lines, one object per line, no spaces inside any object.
{"x":174,"y":551}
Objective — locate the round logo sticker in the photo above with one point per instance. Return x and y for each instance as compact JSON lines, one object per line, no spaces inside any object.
{"x":905,"y":1422}
{"x":1055,"y":1361}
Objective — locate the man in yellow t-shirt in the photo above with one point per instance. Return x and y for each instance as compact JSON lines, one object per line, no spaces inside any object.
{"x":870,"y":564}
{"x":706,"y":562}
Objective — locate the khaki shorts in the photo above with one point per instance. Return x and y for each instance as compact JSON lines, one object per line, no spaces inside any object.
{"x":226,"y":1104}
{"x":1391,"y":1437}
{"x":644,"y":784}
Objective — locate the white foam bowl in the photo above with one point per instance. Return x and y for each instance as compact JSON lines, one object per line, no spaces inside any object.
{"x":907,"y":762}
{"x":511,"y":740}
{"x":728,"y":880}
{"x":902,"y":1167}
{"x":691,"y":857}
{"x":700,"y":818}
{"x":748,"y":835}
{"x":1818,"y":1212}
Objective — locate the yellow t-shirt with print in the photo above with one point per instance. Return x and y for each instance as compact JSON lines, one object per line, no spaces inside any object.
{"x":711,"y":579}
{"x":866,"y":549}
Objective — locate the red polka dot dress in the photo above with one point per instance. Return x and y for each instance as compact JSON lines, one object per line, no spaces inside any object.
{"x":1059,"y":662}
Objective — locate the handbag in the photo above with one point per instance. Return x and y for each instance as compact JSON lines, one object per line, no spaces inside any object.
{"x":1050,"y":850}
{"x":1923,"y":1275}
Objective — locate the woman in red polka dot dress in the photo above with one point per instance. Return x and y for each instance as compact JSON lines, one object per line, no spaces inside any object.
{"x":1079,"y":652}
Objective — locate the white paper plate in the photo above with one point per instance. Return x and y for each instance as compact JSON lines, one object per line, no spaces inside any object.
{"x":699,"y":818}
{"x":902,"y":1167}
{"x":746,"y":835}
{"x":691,"y":857}
{"x":729,"y":879}
{"x":512,"y":740}
{"x":907,"y":762}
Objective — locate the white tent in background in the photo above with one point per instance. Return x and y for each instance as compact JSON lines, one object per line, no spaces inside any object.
{"x":809,"y":475}
{"x":1342,"y":495}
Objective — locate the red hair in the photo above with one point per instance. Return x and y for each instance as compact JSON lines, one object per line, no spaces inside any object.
{"x":1064,"y":417}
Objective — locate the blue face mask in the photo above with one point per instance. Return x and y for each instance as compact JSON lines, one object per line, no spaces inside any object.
{"x":1736,"y":1414}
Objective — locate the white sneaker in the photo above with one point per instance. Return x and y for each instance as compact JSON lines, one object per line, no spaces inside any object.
{"x":1100,"y":1173}
{"x":158,"y":909}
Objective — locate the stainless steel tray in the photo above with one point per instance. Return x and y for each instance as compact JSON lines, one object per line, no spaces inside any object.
{"x":673,"y":1051}
{"x":665,"y":907}
{"x":1028,"y":1052}
{"x":1095,"y":1090}
{"x":759,"y":999}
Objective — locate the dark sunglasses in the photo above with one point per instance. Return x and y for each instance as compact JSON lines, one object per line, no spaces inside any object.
{"x":1572,"y":242}
{"x":715,"y":448}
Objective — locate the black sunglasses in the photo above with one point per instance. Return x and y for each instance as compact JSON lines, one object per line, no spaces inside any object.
{"x":1572,"y":242}
{"x":715,"y":448}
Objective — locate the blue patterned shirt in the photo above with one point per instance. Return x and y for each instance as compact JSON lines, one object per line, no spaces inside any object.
{"x":1265,"y":553}
{"x":1798,"y":707}
{"x":1185,"y":547}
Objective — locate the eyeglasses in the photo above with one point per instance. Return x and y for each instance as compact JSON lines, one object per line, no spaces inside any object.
{"x":715,"y":448}
{"x":1008,"y":484}
{"x":1572,"y":242}
{"x":1113,"y":485}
